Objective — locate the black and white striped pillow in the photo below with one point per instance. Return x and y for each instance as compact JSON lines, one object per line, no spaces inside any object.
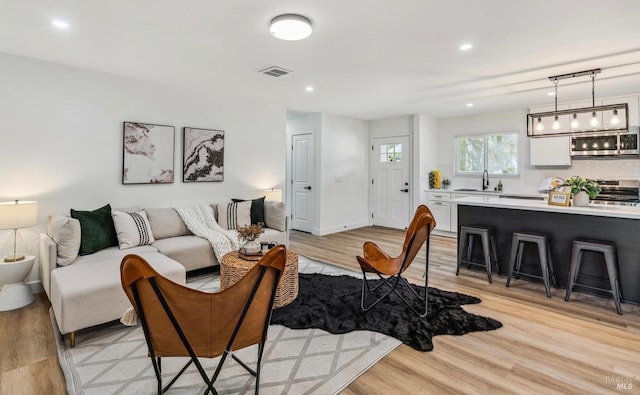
{"x":232,"y":215}
{"x":133,"y":229}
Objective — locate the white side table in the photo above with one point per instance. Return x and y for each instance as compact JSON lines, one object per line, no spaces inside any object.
{"x":15,"y":293}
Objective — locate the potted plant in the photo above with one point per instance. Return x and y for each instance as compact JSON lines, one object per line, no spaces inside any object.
{"x":247,"y":236}
{"x":582,"y":190}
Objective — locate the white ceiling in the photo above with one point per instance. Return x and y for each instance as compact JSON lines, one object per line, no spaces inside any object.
{"x":367,"y":59}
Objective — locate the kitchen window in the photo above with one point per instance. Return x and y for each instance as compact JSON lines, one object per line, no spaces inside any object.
{"x":495,"y":152}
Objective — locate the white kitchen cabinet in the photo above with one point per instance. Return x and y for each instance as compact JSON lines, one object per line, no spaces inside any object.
{"x":441,"y":212}
{"x":442,"y":196}
{"x":438,"y":203}
{"x":550,"y":151}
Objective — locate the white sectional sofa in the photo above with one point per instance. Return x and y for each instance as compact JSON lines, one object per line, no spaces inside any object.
{"x":87,"y":291}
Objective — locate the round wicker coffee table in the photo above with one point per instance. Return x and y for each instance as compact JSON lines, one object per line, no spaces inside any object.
{"x":233,"y":268}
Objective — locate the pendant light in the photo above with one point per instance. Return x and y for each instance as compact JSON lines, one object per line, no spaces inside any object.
{"x":556,"y":122}
{"x":550,"y":123}
{"x":615,"y":120}
{"x":594,"y":117}
{"x":574,"y":122}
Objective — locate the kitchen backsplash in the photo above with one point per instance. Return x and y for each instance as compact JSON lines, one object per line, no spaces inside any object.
{"x":531,"y":176}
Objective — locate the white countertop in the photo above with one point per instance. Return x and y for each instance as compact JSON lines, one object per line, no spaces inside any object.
{"x":535,"y":205}
{"x":490,"y":193}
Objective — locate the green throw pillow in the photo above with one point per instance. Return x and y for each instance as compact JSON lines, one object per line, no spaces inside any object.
{"x":96,"y":229}
{"x":257,"y":209}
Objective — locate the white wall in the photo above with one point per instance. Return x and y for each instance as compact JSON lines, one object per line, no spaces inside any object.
{"x":509,"y":121}
{"x":396,"y":126}
{"x":404,"y":126}
{"x":427,"y":152}
{"x":62,"y":141}
{"x":303,"y":123}
{"x":530,"y":176}
{"x":344,"y":174}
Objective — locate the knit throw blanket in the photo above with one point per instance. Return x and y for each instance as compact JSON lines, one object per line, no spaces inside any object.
{"x":201,"y":222}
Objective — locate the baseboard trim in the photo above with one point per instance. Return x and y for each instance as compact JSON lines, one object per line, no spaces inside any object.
{"x":336,"y":229}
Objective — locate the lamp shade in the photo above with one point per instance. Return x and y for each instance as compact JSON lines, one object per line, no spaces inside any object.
{"x":273,"y":194}
{"x":18,"y":214}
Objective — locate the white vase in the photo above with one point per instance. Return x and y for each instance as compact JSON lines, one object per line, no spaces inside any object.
{"x":250,"y":247}
{"x":581,"y":199}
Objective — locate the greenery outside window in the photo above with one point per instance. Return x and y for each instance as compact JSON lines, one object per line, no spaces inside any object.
{"x":495,"y":152}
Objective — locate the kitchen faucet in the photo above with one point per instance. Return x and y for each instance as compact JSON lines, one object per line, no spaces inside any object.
{"x":485,"y":180}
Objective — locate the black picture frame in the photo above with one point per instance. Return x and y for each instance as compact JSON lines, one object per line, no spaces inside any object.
{"x":202,"y":155}
{"x":148,"y":153}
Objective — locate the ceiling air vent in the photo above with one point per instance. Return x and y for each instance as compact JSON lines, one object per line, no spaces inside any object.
{"x":275,"y":71}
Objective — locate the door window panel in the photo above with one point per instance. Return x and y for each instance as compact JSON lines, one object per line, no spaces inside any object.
{"x":390,"y":153}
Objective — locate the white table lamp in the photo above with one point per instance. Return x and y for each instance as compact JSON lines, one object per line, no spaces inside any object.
{"x":273,"y":194}
{"x":16,"y":215}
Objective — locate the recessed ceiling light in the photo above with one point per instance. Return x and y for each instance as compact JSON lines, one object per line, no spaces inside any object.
{"x":469,"y":104}
{"x":60,"y":24}
{"x":551,"y":93}
{"x":465,"y":47}
{"x":291,"y":27}
{"x":308,"y":88}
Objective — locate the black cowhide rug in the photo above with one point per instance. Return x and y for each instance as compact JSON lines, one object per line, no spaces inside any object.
{"x":332,"y":303}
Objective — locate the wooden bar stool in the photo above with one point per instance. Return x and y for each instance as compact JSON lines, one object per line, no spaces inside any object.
{"x":518,"y":241}
{"x":465,"y":247}
{"x":608,"y":250}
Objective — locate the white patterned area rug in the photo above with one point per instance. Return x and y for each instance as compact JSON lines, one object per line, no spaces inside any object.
{"x":112,"y":359}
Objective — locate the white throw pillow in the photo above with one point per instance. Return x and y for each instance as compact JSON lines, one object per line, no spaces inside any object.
{"x":275,"y":215}
{"x":133,"y":229}
{"x":232,"y":215}
{"x":65,"y":232}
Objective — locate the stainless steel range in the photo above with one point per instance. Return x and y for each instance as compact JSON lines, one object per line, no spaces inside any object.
{"x":618,"y":192}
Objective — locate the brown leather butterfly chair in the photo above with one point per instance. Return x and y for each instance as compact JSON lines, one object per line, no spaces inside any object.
{"x":390,"y":269}
{"x":184,"y":322}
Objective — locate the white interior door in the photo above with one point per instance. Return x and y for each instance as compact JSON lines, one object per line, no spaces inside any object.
{"x":390,"y":161}
{"x":302,"y":169}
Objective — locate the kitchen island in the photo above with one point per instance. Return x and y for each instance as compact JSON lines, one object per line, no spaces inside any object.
{"x":620,"y":224}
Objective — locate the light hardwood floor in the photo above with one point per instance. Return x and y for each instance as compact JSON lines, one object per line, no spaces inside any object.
{"x":546,"y":346}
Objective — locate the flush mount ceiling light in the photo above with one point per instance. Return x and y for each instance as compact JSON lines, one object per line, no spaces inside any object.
{"x":291,"y":27}
{"x":465,"y":47}
{"x":609,"y":118}
{"x":60,"y":24}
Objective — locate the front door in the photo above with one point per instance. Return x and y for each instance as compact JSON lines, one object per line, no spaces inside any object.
{"x":302,"y":169}
{"x":390,"y":161}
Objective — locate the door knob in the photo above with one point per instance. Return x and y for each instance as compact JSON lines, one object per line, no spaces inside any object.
{"x":308,"y":188}
{"x":404,"y":190}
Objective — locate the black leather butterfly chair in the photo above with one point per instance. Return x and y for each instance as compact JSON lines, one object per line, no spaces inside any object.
{"x":390,"y":269}
{"x":184,"y":322}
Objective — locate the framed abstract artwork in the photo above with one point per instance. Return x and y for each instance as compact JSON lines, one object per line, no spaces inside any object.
{"x":148,"y":153}
{"x":203,"y":155}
